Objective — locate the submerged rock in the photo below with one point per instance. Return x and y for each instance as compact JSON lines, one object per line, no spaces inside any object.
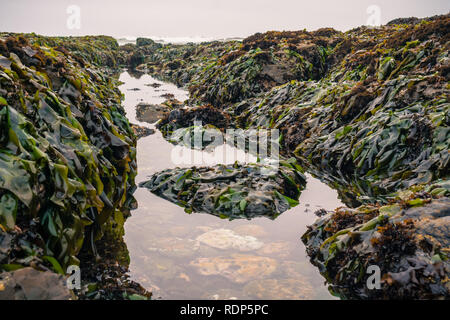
{"x":238,"y":268}
{"x":226,"y":239}
{"x":174,"y":247}
{"x":231,"y":191}
{"x":223,"y":294}
{"x":280,"y":289}
{"x":281,"y":249}
{"x":250,"y":230}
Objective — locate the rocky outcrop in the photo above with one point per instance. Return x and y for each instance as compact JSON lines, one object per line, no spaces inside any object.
{"x":30,"y":284}
{"x":367,"y":112}
{"x":408,"y":240}
{"x":67,"y":151}
{"x":232,"y":191}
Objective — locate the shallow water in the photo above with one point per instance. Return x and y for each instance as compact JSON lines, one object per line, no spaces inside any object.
{"x":240,"y":259}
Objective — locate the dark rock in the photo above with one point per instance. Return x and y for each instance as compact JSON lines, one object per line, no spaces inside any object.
{"x":141,"y":131}
{"x":30,"y":284}
{"x":151,"y":112}
{"x":408,"y":242}
{"x":232,"y":191}
{"x":184,"y":118}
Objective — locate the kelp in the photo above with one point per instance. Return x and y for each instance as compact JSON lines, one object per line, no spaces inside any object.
{"x":67,"y":151}
{"x":238,"y":191}
{"x":407,"y":239}
{"x":222,"y":73}
{"x":365,"y":111}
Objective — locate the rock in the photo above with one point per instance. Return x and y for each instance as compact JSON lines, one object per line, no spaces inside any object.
{"x":223,"y":294}
{"x":250,"y":230}
{"x":153,"y":85}
{"x":185,"y":118}
{"x":231,"y":191}
{"x":159,"y":268}
{"x":226,"y":239}
{"x":280,"y":249}
{"x":141,"y":131}
{"x":30,"y":284}
{"x":174,"y":247}
{"x":279,"y":289}
{"x":151,"y":112}
{"x":238,"y":268}
{"x":184,"y":276}
{"x":168,"y":96}
{"x":407,"y":240}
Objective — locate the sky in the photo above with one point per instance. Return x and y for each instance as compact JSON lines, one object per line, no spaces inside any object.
{"x":202,"y":18}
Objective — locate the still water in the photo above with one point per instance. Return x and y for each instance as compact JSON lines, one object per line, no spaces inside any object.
{"x":199,"y":256}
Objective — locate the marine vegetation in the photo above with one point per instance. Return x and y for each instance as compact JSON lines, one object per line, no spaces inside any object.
{"x":67,"y":151}
{"x":232,"y":191}
{"x":366,"y":111}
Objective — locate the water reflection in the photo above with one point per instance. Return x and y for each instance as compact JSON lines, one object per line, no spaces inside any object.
{"x":199,"y":256}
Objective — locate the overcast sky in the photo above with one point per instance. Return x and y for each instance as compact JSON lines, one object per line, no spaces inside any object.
{"x":205,"y":18}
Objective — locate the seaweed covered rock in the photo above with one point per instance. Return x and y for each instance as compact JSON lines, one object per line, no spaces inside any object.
{"x":100,"y":51}
{"x":222,"y":73}
{"x":232,"y":191}
{"x":372,"y":117}
{"x":187,"y":118}
{"x":31,"y":284}
{"x":378,"y":121}
{"x":406,"y":239}
{"x":151,"y":113}
{"x":67,"y":152}
{"x":141,"y":131}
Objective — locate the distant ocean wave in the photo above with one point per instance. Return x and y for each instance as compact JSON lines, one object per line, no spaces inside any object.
{"x":173,"y":40}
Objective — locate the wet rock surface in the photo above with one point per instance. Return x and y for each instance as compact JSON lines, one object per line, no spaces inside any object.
{"x":280,"y":289}
{"x":175,"y":247}
{"x":231,"y":191}
{"x":31,"y":284}
{"x":367,"y":112}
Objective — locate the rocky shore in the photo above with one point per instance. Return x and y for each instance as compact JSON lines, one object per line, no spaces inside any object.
{"x":365,"y":111}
